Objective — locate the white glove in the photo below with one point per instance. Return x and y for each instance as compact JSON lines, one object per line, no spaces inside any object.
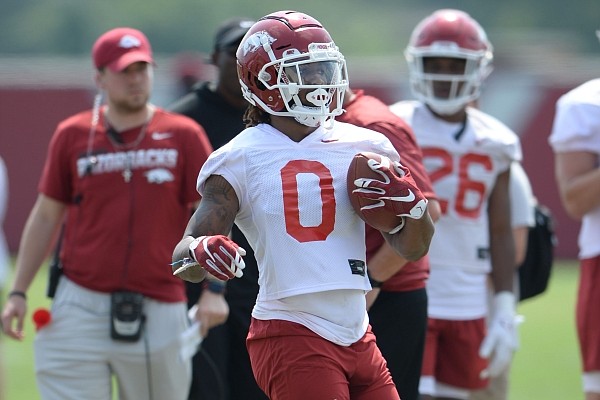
{"x":502,"y":338}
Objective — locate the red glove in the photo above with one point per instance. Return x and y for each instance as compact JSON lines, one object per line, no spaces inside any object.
{"x":219,"y":256}
{"x":396,"y":192}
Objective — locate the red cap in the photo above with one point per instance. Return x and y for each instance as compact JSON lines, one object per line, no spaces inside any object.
{"x":121,"y":47}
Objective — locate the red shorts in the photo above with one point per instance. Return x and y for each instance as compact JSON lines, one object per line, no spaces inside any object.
{"x":452,"y":353}
{"x":290,"y":362}
{"x":588,"y":323}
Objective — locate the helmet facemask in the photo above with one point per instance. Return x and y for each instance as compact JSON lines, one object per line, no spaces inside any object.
{"x":308,"y":83}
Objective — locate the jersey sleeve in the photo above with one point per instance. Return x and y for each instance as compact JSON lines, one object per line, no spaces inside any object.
{"x":227,"y":163}
{"x":56,"y":179}
{"x":521,"y":197}
{"x":576,"y":126}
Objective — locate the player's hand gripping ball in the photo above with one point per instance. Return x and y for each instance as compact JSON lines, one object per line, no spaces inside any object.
{"x":383,"y":192}
{"x":218,"y":255}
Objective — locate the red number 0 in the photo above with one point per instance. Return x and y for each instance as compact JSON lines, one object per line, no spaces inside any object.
{"x":290,"y":200}
{"x":466,"y":184}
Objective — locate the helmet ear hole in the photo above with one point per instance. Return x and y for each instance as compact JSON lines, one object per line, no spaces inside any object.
{"x":259,"y":85}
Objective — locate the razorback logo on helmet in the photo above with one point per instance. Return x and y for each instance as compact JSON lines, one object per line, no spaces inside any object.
{"x":256,"y":41}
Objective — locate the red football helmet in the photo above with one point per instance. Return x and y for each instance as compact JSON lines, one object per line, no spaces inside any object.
{"x":287,"y":52}
{"x":449,"y":34}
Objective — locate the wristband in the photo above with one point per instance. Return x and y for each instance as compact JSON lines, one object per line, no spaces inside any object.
{"x":375,"y":284}
{"x":214,"y":286}
{"x":17,"y":293}
{"x":504,"y":303}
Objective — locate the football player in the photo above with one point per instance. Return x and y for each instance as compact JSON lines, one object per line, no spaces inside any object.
{"x":575,"y":140}
{"x":283,"y":182}
{"x":468,"y":156}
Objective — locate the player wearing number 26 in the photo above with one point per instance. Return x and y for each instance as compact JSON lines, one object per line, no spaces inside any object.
{"x":282,"y":180}
{"x":467,"y":154}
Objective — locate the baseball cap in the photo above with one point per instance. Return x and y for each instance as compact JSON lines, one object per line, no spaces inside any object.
{"x":232,"y":31}
{"x":121,"y":47}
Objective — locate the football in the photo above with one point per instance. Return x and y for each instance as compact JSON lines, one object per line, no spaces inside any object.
{"x":379,"y":218}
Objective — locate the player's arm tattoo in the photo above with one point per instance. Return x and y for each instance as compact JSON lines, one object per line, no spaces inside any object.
{"x":217,"y":210}
{"x":214,"y":216}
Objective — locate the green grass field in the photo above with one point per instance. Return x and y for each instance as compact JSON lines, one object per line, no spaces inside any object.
{"x":546,"y":366}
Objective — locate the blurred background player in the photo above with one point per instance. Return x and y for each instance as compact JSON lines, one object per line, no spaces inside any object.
{"x":190,"y":68}
{"x":121,"y":177}
{"x":575,"y":140}
{"x":398,"y":285}
{"x":309,"y":335}
{"x":219,"y":108}
{"x":468,"y":156}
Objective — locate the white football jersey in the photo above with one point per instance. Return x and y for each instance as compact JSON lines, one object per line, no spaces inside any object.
{"x":522,"y":201}
{"x":463,"y":162}
{"x":577,"y":128}
{"x":296,"y":213}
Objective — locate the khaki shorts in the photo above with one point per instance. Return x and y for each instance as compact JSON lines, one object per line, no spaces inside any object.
{"x":75,"y":358}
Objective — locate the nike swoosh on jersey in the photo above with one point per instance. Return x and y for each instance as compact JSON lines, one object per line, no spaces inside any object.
{"x":329,"y":140}
{"x":161,"y":135}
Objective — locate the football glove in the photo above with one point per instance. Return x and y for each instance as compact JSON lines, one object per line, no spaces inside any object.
{"x":219,"y":256}
{"x":502,"y":338}
{"x":397,"y":191}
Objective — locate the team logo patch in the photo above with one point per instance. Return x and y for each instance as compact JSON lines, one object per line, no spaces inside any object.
{"x":159,"y":175}
{"x":128,"y":41}
{"x":483,"y":253}
{"x":357,"y":267}
{"x":161,"y":135}
{"x":255,"y":42}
